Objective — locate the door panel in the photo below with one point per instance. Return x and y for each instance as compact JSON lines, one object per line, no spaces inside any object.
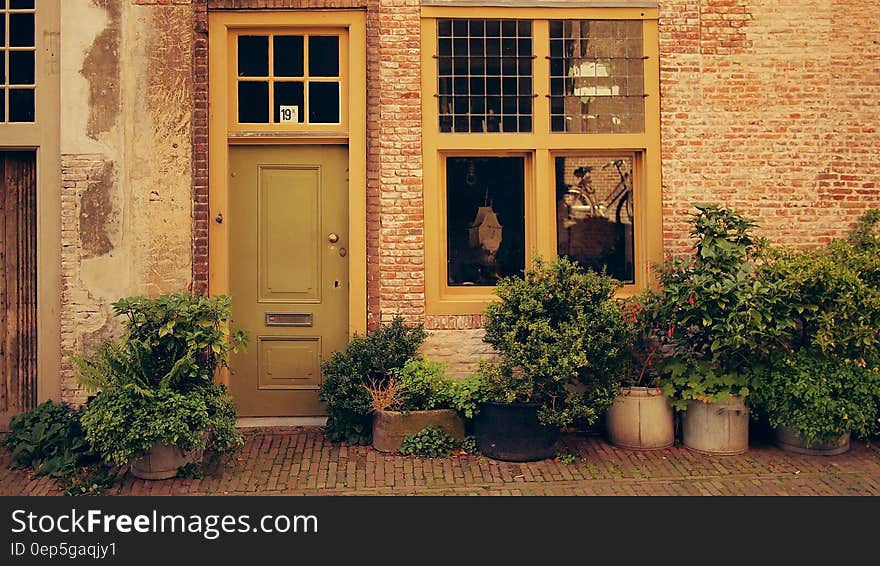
{"x":18,"y":283}
{"x":289,"y":212}
{"x":288,"y":275}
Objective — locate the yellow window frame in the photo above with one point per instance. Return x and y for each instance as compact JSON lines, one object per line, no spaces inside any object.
{"x":340,"y":127}
{"x":539,"y":147}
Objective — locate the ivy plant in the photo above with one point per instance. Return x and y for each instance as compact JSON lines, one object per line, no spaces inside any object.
{"x":429,"y":442}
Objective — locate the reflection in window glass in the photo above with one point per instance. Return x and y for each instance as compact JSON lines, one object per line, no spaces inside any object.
{"x":594,"y":213}
{"x":485,"y":218}
{"x":597,"y":76}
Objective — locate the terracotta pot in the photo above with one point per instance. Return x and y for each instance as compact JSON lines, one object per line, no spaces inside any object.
{"x":390,"y":427}
{"x":640,"y":418}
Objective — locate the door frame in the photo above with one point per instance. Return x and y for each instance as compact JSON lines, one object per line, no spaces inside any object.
{"x":221,"y":136}
{"x":44,"y":137}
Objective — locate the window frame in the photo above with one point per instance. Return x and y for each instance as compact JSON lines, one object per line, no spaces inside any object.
{"x":539,"y":147}
{"x":338,"y":128}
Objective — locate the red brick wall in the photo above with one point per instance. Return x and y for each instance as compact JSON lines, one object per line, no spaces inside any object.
{"x":768,"y":106}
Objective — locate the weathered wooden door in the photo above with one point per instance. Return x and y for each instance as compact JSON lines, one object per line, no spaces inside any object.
{"x":288,"y":220}
{"x":18,"y":283}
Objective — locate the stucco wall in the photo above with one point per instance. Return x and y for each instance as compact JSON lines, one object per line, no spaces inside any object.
{"x":126,"y":90}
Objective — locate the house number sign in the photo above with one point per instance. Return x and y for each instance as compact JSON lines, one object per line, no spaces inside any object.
{"x":288,"y":114}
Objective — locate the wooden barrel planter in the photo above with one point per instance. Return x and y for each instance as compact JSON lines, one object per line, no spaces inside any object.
{"x":512,"y":432}
{"x":161,"y":462}
{"x":791,"y":440}
{"x":390,"y":427}
{"x":640,"y":418}
{"x":720,"y":428}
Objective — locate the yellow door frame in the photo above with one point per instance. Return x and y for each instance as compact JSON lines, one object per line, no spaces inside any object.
{"x":353,"y":132}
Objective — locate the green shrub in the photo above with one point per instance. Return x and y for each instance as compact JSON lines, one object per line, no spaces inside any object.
{"x":820,"y":396}
{"x":156,"y":384}
{"x":429,"y":442}
{"x":50,"y":439}
{"x":422,"y":385}
{"x":367,"y":360}
{"x":833,"y":294}
{"x":557,"y":327}
{"x":123,"y":423}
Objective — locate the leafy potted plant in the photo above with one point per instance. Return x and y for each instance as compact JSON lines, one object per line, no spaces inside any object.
{"x":815,"y":402}
{"x":821,"y":384}
{"x":561,"y":339}
{"x":714,"y":317}
{"x":367,"y":361}
{"x":415,"y":397}
{"x":640,"y":417}
{"x":157,"y":406}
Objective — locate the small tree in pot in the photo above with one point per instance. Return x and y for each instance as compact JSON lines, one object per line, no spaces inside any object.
{"x":561,"y":337}
{"x":715,"y":317}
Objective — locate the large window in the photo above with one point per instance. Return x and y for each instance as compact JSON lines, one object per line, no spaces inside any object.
{"x":17,"y":61}
{"x":541,"y":137}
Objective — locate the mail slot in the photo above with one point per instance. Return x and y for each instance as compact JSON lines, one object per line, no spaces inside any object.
{"x":288,"y":319}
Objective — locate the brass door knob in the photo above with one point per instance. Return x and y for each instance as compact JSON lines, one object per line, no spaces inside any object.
{"x":333,"y":238}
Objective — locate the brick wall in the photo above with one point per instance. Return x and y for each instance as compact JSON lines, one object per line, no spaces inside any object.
{"x":770,"y":107}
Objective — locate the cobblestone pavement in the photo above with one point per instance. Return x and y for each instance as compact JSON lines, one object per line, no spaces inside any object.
{"x":299,"y":461}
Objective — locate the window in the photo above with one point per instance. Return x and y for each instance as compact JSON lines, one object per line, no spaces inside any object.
{"x":18,"y":61}
{"x":541,"y":137}
{"x":485,"y":75}
{"x":289,"y":81}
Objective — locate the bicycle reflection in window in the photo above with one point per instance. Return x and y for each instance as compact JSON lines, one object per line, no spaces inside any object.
{"x":594,"y":218}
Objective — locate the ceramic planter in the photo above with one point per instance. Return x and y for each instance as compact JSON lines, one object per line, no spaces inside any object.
{"x":512,"y":432}
{"x":390,"y":427}
{"x":640,"y":418}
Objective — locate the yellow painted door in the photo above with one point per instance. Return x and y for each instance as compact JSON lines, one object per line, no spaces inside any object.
{"x":288,"y":220}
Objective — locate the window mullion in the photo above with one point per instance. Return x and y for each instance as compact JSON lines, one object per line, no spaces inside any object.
{"x":541,"y":74}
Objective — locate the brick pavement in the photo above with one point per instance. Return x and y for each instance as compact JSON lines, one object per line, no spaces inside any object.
{"x":299,"y":461}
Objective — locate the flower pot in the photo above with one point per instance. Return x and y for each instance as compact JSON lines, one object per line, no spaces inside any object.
{"x":640,"y":418}
{"x":512,"y":432}
{"x":716,"y":428}
{"x":390,"y":427}
{"x":791,"y":440}
{"x":161,"y":462}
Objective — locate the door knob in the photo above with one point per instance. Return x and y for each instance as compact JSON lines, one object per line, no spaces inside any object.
{"x":333,"y":238}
